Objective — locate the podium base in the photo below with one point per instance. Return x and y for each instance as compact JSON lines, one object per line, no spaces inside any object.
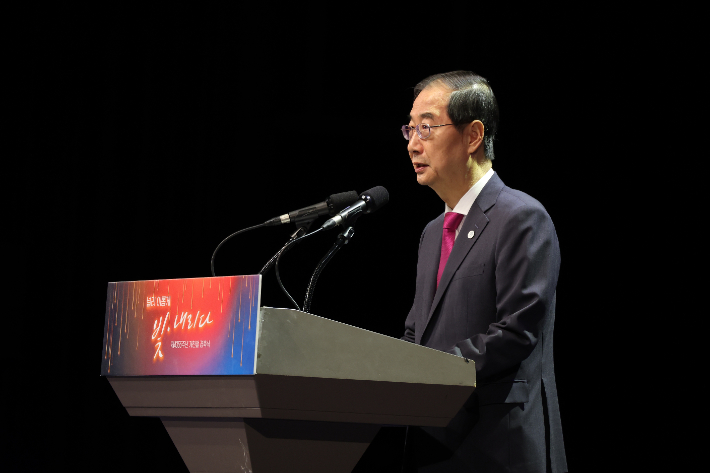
{"x":256,"y":445}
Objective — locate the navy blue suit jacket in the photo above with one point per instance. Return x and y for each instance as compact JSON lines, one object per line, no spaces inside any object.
{"x":495,"y":305}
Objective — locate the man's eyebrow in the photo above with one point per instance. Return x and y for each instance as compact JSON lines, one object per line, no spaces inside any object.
{"x":428,"y":115}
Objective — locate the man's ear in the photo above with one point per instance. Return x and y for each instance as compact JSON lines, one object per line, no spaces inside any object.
{"x":476,"y":132}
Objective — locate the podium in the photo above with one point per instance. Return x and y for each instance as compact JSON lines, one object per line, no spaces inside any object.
{"x":319,"y":392}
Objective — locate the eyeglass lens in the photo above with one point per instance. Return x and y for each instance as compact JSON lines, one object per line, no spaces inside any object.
{"x":423,"y":130}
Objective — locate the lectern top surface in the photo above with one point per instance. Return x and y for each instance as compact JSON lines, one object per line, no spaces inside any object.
{"x":295,"y":343}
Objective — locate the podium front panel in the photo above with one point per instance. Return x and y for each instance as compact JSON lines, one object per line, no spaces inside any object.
{"x":178,"y":327}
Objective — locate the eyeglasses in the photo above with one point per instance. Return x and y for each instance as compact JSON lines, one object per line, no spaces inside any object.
{"x":423,"y":130}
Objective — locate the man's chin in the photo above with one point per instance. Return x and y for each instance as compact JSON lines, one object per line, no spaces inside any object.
{"x":422,"y":180}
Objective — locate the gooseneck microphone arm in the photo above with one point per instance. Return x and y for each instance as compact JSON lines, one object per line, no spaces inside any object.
{"x":265,"y":224}
{"x":341,"y":241}
{"x":278,"y":258}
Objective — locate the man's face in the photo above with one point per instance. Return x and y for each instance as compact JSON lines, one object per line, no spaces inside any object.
{"x":439,"y":160}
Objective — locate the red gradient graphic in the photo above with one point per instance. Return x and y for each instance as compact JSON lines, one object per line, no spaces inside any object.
{"x":181,"y":326}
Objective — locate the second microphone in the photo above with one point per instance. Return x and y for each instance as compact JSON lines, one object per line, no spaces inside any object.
{"x":370,"y":200}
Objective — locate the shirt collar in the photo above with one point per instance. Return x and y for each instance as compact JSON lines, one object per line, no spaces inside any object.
{"x":469,"y":197}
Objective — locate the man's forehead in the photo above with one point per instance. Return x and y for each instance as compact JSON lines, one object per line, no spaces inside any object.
{"x":431,"y":103}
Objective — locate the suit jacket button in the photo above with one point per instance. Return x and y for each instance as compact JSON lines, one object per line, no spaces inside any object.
{"x":470,"y":234}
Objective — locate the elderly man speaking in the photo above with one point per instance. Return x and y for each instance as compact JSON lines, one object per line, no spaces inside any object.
{"x":485,"y":289}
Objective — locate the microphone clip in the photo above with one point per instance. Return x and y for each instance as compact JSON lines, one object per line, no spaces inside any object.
{"x":346,"y":235}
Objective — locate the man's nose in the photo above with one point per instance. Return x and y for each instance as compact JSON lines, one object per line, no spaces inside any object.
{"x":415,"y":143}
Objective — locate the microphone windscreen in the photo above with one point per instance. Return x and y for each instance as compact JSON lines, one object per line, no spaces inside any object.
{"x":338,"y":202}
{"x":378,"y":197}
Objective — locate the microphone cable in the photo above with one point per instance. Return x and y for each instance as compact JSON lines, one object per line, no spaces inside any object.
{"x":267,"y":223}
{"x":342,"y":240}
{"x":278,"y":259}
{"x":301,"y":231}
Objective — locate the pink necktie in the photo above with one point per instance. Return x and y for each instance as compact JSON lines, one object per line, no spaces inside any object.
{"x":451,"y":223}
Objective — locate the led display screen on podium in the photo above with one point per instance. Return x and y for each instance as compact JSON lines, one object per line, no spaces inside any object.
{"x":198,"y":326}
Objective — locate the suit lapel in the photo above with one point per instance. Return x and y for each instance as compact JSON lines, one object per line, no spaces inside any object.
{"x":476,"y":221}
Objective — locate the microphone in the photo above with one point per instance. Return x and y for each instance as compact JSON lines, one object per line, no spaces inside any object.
{"x":332,"y":205}
{"x":370,"y":200}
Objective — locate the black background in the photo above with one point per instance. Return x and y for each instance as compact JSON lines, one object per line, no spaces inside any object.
{"x":207,"y":120}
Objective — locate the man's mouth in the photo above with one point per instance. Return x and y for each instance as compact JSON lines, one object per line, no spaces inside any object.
{"x":419,"y":167}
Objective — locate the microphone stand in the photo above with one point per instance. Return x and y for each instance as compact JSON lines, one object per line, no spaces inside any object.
{"x":341,"y":241}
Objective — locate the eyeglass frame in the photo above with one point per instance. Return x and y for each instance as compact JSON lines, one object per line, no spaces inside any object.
{"x":418,"y":130}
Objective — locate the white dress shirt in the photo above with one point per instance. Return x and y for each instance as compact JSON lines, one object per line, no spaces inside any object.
{"x":467,"y":200}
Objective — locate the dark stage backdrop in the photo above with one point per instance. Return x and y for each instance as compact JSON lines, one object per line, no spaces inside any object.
{"x":215,"y":120}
